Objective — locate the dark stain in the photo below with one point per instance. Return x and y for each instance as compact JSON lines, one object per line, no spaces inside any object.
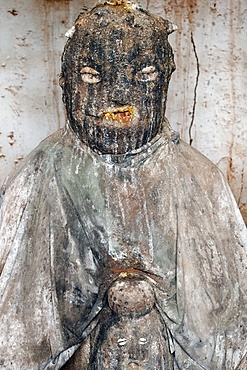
{"x":45,"y":9}
{"x":1,"y":154}
{"x":13,"y":12}
{"x":242,"y":205}
{"x":184,"y":9}
{"x":11,"y":138}
{"x":189,"y":6}
{"x":18,"y":159}
{"x":231,"y":169}
{"x":213,"y":8}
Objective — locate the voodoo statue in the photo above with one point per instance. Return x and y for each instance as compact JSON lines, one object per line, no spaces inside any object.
{"x":121,"y":246}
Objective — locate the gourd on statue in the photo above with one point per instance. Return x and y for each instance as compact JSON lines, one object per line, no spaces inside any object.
{"x":121,"y":246}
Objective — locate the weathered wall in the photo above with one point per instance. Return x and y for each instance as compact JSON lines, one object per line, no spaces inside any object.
{"x":207,"y":99}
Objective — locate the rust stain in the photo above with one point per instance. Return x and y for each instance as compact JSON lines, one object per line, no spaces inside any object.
{"x":181,"y":10}
{"x":231,"y":169}
{"x":17,"y":160}
{"x":132,"y":271}
{"x":12,"y":91}
{"x":188,"y":6}
{"x":46,"y":9}
{"x":213,"y":8}
{"x":11,"y":135}
{"x":125,"y":271}
{"x":11,"y":138}
{"x":1,"y":154}
{"x":135,"y":209}
{"x":241,"y":187}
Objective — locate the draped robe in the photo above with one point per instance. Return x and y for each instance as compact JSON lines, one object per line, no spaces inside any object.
{"x":72,"y":219}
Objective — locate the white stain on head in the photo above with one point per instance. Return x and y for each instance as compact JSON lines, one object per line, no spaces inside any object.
{"x":70,"y":32}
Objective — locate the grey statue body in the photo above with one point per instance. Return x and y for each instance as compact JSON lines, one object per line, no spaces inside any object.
{"x":72,"y":233}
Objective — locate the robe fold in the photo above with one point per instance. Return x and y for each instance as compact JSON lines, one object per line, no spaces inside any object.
{"x":72,"y":219}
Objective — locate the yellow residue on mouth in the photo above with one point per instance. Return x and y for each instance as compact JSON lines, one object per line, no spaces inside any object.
{"x":120,"y":115}
{"x":121,"y":4}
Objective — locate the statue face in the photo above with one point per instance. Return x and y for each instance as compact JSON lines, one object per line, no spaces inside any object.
{"x":116,"y":81}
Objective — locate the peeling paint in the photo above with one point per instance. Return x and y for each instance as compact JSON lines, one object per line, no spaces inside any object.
{"x":17,"y":160}
{"x":11,"y":138}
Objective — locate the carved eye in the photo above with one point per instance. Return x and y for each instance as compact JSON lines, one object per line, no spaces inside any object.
{"x":147,"y":74}
{"x":142,"y":341}
{"x":90,"y":75}
{"x":122,"y":342}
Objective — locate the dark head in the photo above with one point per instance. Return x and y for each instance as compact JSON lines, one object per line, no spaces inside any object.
{"x":116,"y":68}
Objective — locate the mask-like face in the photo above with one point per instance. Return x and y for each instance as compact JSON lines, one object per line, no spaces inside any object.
{"x":116,"y":69}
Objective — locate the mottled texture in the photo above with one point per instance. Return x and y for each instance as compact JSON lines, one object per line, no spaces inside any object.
{"x":118,"y":241}
{"x":127,"y":61}
{"x":79,"y":220}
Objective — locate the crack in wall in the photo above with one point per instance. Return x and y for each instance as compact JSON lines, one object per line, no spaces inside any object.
{"x":241,"y":189}
{"x":195,"y":88}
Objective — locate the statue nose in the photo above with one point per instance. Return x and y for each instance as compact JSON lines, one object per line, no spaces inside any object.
{"x":135,"y":358}
{"x":119,"y":96}
{"x":120,"y":90}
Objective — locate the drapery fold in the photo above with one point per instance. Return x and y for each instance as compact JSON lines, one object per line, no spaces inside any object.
{"x":72,"y":220}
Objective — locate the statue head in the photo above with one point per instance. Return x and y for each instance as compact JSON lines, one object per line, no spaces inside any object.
{"x":116,"y":68}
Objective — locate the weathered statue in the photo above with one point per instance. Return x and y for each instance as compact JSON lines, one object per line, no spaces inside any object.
{"x":121,"y":246}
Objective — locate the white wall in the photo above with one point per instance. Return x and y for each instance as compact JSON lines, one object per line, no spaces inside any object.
{"x":210,"y":82}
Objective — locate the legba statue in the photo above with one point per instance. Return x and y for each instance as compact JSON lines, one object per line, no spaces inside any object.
{"x":121,"y":246}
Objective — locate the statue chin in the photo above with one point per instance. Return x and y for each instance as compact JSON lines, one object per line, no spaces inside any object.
{"x":112,"y":138}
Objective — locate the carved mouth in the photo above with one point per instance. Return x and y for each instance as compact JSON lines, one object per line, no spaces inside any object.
{"x":121,"y":115}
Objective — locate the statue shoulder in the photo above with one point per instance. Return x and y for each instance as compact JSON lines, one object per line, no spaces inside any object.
{"x":37,"y":160}
{"x":194,"y":159}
